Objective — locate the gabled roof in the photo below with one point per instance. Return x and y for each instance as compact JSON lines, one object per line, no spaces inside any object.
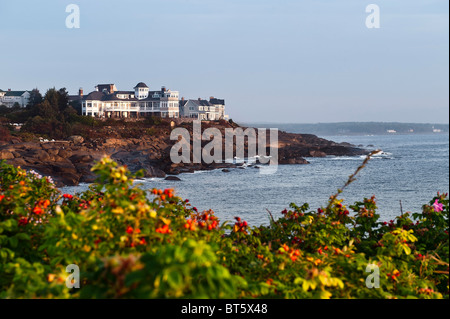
{"x":101,"y":96}
{"x":94,"y":96}
{"x":74,"y":97}
{"x":15,"y":93}
{"x":201,"y":102}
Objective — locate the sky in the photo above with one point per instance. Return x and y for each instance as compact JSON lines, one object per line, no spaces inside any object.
{"x":283,"y":61}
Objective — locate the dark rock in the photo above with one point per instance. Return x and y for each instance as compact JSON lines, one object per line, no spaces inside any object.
{"x":81,"y":158}
{"x":293,"y":161}
{"x":38,"y":155}
{"x":172,"y":178}
{"x":151,"y":171}
{"x":225,"y":170}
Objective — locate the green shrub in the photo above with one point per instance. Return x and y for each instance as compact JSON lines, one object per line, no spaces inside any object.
{"x":134,"y":243}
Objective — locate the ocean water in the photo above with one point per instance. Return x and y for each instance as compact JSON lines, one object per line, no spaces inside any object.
{"x":412,"y":169}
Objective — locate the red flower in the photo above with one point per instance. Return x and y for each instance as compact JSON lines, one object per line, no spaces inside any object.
{"x":23,"y":221}
{"x":37,"y":210}
{"x":129,"y":230}
{"x":163,"y":230}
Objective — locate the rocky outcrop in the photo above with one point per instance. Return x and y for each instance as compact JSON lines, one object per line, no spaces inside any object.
{"x":69,"y":162}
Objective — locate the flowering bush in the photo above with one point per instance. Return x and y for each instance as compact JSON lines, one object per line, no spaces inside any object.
{"x":134,"y":243}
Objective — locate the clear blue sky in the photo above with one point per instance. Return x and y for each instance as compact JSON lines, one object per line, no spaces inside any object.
{"x":272,"y":60}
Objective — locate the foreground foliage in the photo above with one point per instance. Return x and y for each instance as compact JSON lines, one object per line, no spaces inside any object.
{"x":133,"y":243}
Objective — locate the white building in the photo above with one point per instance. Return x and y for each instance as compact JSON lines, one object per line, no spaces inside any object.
{"x":199,"y":109}
{"x":9,"y":98}
{"x":107,"y":101}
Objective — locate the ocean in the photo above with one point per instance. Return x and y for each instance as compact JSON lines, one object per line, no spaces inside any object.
{"x":411,"y":170}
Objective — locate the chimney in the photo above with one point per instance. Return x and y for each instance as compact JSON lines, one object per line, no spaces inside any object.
{"x":80,"y":92}
{"x":211,"y":97}
{"x":199,"y":98}
{"x":163,"y":89}
{"x":182,"y":99}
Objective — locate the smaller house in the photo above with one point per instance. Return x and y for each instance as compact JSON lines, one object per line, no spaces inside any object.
{"x":200,"y":109}
{"x":10,"y":98}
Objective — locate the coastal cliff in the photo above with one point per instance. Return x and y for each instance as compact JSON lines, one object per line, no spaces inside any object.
{"x":69,"y":161}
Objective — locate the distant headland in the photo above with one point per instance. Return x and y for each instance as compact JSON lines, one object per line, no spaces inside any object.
{"x":356,"y":128}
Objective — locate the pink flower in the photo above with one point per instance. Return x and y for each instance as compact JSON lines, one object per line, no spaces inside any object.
{"x":438,"y":207}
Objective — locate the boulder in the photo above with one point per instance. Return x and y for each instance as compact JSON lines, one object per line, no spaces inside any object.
{"x":65,"y":153}
{"x":38,"y":155}
{"x":81,"y":158}
{"x":76,"y":139}
{"x":5,"y":155}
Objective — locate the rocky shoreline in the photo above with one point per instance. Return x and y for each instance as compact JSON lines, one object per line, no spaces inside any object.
{"x":69,"y":162}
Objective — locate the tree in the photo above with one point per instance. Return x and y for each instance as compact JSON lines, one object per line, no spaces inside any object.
{"x":16,"y":107}
{"x":46,"y":110}
{"x":35,"y":98}
{"x":4,"y":109}
{"x":76,"y":106}
{"x":63,"y":99}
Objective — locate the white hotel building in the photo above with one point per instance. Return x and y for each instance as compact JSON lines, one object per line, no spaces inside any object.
{"x":107,"y":102}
